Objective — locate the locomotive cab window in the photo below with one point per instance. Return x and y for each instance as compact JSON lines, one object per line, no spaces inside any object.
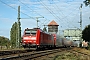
{"x":33,"y":32}
{"x":30,"y":32}
{"x":27,"y":32}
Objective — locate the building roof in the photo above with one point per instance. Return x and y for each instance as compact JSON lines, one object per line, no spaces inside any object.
{"x":53,"y":23}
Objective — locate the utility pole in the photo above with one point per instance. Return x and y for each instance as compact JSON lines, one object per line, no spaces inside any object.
{"x":81,"y":25}
{"x":81,"y":19}
{"x":38,"y":20}
{"x":18,"y":29}
{"x":81,"y":16}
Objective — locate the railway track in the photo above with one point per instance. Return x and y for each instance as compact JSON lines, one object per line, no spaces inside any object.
{"x":8,"y":52}
{"x":29,"y":55}
{"x":40,"y":55}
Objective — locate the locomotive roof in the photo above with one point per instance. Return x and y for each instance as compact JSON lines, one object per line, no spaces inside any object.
{"x":32,"y":28}
{"x":37,"y":29}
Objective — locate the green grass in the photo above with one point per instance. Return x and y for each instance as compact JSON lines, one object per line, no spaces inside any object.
{"x":70,"y":56}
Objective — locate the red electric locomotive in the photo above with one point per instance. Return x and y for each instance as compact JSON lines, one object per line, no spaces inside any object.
{"x":36,"y":38}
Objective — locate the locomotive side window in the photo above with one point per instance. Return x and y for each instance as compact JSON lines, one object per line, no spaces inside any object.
{"x":30,"y":32}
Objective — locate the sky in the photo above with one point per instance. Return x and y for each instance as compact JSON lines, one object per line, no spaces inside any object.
{"x":65,"y":12}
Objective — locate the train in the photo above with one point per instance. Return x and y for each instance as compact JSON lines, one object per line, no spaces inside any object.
{"x":37,"y":38}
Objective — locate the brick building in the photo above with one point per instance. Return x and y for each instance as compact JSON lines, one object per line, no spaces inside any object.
{"x":53,"y":27}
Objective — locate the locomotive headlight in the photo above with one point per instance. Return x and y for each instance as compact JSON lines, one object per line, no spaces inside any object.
{"x":30,"y":41}
{"x":37,"y":44}
{"x":34,"y":41}
{"x":25,"y":38}
{"x":24,"y":41}
{"x":33,"y":38}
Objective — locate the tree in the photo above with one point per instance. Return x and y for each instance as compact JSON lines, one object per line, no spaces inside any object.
{"x":4,"y":41}
{"x":87,"y":2}
{"x":86,"y":33}
{"x":13,"y":34}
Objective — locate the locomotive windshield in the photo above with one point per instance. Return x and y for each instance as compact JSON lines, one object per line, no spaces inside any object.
{"x":30,"y":32}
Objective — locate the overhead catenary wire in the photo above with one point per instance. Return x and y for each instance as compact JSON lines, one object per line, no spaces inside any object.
{"x":16,"y":9}
{"x":77,"y":8}
{"x":29,"y":8}
{"x":65,"y":17}
{"x":58,"y":11}
{"x":35,"y":12}
{"x":51,"y":12}
{"x":59,"y":19}
{"x":46,"y":8}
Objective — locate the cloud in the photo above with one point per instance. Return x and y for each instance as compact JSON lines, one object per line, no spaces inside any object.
{"x":14,"y":5}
